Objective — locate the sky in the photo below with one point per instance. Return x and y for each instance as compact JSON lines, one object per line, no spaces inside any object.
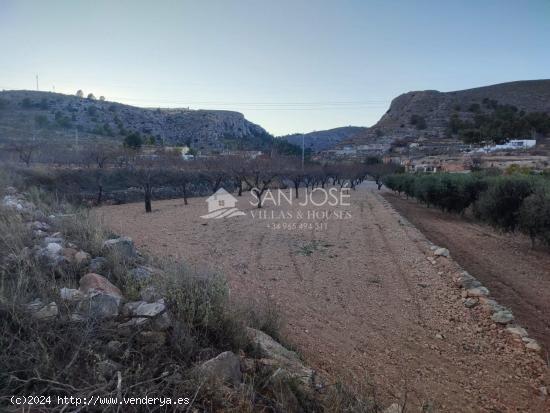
{"x":288,"y":65}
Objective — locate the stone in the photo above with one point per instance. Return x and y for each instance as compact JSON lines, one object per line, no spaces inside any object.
{"x":123,"y":246}
{"x":439,"y":336}
{"x":225,"y":367}
{"x":141,"y":273}
{"x":466,"y":281}
{"x":281,"y":357}
{"x":502,"y":317}
{"x":69,"y":254}
{"x":442,"y":252}
{"x":53,"y":248}
{"x":101,"y":298}
{"x":39,"y":234}
{"x":98,"y":306}
{"x":142,"y":312}
{"x":477,"y":292}
{"x":70,"y":294}
{"x":97,"y":283}
{"x":98,"y":264}
{"x":52,"y":239}
{"x":532,"y":344}
{"x":35,"y":305}
{"x":40,"y":226}
{"x":394,"y":408}
{"x":129,"y":308}
{"x":470,"y":302}
{"x":46,"y":312}
{"x":517,"y":331}
{"x":149,"y":294}
{"x":82,"y":258}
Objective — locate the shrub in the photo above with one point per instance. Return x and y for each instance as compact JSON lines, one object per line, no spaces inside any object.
{"x":534,"y":215}
{"x":200,"y":300}
{"x":133,"y":140}
{"x":500,"y":204}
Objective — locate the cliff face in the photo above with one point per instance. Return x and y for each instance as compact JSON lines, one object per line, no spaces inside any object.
{"x":53,"y":114}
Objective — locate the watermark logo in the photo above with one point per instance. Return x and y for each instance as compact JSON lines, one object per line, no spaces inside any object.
{"x":222,"y":205}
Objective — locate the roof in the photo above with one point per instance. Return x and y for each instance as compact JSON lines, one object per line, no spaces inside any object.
{"x":219,"y":193}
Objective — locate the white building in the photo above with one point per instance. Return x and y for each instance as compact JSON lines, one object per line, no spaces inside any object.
{"x":513,"y":144}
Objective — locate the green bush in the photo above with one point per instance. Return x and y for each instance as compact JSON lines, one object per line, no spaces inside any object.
{"x":507,"y":202}
{"x":499,"y":205}
{"x":534,"y":215}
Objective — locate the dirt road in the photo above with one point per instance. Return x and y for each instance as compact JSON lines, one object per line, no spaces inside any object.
{"x":517,"y":275}
{"x":361,"y":300}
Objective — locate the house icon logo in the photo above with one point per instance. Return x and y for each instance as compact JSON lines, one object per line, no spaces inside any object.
{"x":222,"y":205}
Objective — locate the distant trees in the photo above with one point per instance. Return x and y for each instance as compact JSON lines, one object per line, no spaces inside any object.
{"x":90,"y":96}
{"x":510,"y":202}
{"x":102,"y":98}
{"x":494,"y":122}
{"x":133,"y":140}
{"x":79,"y":93}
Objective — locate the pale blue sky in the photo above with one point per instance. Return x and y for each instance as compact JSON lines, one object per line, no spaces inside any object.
{"x":288,"y":65}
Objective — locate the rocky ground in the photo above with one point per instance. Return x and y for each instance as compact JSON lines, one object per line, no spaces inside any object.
{"x":142,"y":316}
{"x":367,"y":298}
{"x":515,"y":273}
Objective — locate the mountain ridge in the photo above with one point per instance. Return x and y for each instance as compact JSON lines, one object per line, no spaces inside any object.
{"x":425,"y":114}
{"x":47,"y":113}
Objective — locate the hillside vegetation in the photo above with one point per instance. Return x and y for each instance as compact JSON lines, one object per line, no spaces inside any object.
{"x":45,"y":115}
{"x":497,"y":112}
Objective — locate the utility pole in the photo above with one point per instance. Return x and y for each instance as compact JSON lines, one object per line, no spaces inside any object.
{"x":303,"y":150}
{"x":37,"y":82}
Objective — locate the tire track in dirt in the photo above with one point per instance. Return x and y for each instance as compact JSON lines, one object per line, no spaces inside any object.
{"x":505,"y":264}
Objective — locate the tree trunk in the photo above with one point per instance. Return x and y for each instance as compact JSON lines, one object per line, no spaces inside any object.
{"x":99,"y":195}
{"x":296,"y":186}
{"x":184,"y":188}
{"x":147,"y":198}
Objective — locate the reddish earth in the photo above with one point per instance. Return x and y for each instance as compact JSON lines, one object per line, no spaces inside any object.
{"x":361,"y":300}
{"x":517,"y":275}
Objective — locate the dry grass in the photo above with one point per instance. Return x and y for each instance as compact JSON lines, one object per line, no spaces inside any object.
{"x":58,"y":357}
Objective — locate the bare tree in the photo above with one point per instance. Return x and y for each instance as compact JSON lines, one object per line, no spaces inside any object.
{"x":25,"y":151}
{"x":261,"y":173}
{"x":147,"y":174}
{"x":214,"y":171}
{"x":100,"y":154}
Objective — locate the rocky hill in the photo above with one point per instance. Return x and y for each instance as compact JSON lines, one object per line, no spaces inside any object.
{"x":426,"y":114}
{"x":326,"y":139}
{"x":48,"y":115}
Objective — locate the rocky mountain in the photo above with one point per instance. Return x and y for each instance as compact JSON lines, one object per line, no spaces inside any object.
{"x":426,"y":114}
{"x":326,"y":139}
{"x":55,"y":115}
